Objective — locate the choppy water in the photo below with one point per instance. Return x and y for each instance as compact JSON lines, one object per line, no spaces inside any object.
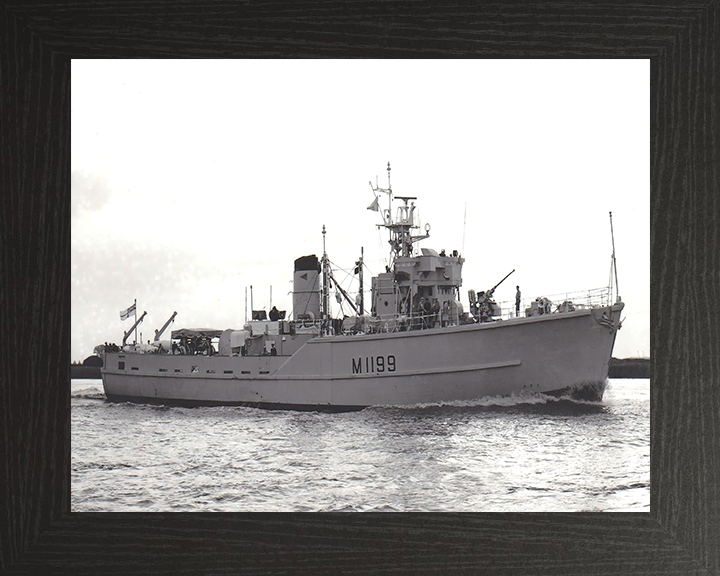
{"x":493,"y":455}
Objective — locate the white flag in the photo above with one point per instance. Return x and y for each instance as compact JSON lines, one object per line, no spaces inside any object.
{"x":125,"y":314}
{"x":375,"y":206}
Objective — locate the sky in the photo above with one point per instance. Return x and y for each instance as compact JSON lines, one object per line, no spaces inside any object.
{"x":194,"y":180}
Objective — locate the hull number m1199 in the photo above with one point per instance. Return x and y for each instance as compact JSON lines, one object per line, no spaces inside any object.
{"x":373,"y":364}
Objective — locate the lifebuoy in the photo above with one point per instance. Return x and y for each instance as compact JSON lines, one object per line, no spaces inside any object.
{"x":309,"y":320}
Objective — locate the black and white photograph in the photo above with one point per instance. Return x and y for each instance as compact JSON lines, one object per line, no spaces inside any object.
{"x":360,"y":285}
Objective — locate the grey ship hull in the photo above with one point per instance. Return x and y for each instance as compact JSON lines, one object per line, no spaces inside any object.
{"x":560,"y":354}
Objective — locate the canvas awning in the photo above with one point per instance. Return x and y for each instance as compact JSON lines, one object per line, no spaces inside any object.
{"x":196,"y":332}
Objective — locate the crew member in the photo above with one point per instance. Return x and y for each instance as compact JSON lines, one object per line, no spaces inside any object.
{"x":435,"y":311}
{"x":274,"y":314}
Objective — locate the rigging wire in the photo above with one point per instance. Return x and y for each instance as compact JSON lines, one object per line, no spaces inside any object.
{"x":381,"y":248}
{"x":335,"y":267}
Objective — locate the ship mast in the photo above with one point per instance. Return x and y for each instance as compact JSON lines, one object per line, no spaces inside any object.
{"x":401,"y":238}
{"x":325,"y":285}
{"x":360,"y":278}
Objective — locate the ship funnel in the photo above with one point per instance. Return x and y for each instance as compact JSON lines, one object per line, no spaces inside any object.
{"x":306,"y":288}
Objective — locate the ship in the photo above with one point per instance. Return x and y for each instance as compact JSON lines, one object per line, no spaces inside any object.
{"x":416,"y":345}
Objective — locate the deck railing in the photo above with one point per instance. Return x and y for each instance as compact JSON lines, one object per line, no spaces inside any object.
{"x":583,"y":299}
{"x":591,"y":298}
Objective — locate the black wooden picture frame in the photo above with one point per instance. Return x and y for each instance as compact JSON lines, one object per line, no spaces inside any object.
{"x":39,"y":534}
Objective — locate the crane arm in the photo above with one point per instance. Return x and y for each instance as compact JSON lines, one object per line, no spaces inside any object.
{"x":159,"y":333}
{"x":139,"y":320}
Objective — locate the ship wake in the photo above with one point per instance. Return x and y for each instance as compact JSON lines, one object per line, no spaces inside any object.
{"x":565,"y":403}
{"x":88,"y":394}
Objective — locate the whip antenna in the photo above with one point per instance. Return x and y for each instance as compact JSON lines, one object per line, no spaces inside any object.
{"x":464,"y":222}
{"x":612,"y":235}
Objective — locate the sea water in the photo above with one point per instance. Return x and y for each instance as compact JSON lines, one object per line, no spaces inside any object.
{"x":526,"y":454}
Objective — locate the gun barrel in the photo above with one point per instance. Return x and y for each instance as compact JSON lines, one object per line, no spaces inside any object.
{"x":501,"y":281}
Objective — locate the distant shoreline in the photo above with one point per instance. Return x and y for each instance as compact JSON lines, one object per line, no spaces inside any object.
{"x":81,"y":372}
{"x":629,"y":368}
{"x":619,"y":368}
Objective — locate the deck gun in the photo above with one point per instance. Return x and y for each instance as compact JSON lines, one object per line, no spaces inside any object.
{"x":482,"y":306}
{"x":489,"y":293}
